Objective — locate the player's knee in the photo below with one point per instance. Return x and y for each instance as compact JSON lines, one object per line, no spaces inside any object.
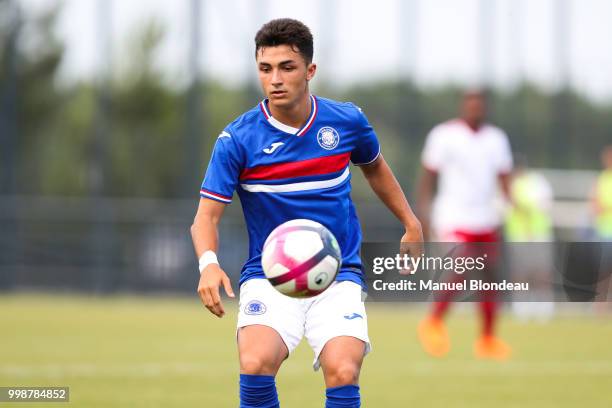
{"x":256,"y":365}
{"x":343,"y":373}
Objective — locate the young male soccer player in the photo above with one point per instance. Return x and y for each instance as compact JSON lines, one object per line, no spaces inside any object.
{"x":467,"y":159}
{"x":288,"y":158}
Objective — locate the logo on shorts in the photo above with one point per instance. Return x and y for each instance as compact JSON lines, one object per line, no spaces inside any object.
{"x":328,"y":138}
{"x":255,"y":307}
{"x":353,"y":316}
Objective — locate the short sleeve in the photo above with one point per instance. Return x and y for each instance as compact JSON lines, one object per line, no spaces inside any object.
{"x":367,"y":148}
{"x":504,"y":158}
{"x":223,"y":170}
{"x":432,"y":157}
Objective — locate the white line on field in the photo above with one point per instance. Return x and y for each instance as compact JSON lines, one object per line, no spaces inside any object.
{"x":518,"y":368}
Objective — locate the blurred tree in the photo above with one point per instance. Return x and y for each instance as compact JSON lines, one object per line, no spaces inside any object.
{"x":148,"y":122}
{"x":36,"y":100}
{"x":145,"y":146}
{"x":525,"y":112}
{"x":55,"y":119}
{"x":10,"y":25}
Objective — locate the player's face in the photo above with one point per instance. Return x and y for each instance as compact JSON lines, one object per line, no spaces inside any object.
{"x":473,"y":108}
{"x":283,"y":75}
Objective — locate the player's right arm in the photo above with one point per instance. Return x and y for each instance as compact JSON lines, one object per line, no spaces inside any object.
{"x":205,"y":237}
{"x":216,"y":192}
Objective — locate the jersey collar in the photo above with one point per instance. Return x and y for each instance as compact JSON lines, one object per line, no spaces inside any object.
{"x":286,"y":128}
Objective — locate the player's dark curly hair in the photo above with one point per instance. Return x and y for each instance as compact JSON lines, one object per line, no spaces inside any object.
{"x":286,"y":31}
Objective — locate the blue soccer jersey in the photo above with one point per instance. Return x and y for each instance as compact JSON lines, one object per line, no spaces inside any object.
{"x":282,"y":173}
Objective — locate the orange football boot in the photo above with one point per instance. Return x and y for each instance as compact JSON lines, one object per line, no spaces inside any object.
{"x":490,"y":347}
{"x":433,"y":336}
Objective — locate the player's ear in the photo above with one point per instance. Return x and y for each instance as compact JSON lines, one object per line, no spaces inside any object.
{"x":310,"y":71}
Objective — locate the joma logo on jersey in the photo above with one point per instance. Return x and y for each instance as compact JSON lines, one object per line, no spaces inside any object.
{"x":328,"y":138}
{"x":273,"y":147}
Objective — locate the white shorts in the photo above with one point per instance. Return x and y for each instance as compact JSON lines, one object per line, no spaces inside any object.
{"x":339,"y":311}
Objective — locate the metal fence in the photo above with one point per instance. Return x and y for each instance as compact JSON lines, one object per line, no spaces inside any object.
{"x":108,"y":245}
{"x":105,"y":245}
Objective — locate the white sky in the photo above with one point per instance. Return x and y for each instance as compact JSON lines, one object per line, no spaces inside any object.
{"x":361,"y":40}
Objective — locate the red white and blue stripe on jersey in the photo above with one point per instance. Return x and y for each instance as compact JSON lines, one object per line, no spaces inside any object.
{"x":260,"y":178}
{"x":215,"y":196}
{"x":282,"y":173}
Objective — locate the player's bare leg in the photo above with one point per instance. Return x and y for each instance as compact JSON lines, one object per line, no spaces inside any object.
{"x":261,"y":350}
{"x":341,"y":360}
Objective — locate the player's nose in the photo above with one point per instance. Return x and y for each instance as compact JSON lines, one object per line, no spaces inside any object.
{"x":277,"y":78}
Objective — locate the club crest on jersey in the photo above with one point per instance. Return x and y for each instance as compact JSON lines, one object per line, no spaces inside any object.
{"x":328,"y":138}
{"x":255,"y":307}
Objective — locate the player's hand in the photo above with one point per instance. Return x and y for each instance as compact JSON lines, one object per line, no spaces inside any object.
{"x":411,"y":244}
{"x":211,"y":279}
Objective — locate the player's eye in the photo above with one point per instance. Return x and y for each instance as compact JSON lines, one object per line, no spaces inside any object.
{"x":288,"y":67}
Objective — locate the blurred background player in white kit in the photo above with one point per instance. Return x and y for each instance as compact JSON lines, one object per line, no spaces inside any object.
{"x":465,"y":161}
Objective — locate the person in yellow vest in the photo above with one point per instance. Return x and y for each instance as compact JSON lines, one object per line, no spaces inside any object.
{"x":529,"y":220}
{"x":529,"y":232}
{"x":601,"y":201}
{"x":602,"y":198}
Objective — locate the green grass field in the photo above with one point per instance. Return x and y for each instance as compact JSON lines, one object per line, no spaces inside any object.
{"x":170,"y":352}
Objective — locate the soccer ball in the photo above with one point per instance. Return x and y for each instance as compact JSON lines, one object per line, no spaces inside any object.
{"x":301,"y":258}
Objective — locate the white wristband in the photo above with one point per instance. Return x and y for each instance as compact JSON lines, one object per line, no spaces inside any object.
{"x":207,"y":258}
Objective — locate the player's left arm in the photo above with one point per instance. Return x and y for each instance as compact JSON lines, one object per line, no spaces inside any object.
{"x":505,"y":179}
{"x":504,"y":166}
{"x":387,"y":188}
